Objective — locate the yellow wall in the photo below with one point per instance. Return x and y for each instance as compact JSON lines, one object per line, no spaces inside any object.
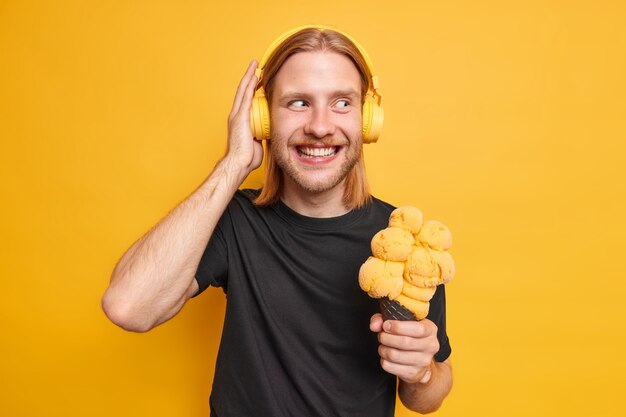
{"x":504,"y":120}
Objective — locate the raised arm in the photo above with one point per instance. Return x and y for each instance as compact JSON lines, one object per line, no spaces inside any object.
{"x":155,"y":277}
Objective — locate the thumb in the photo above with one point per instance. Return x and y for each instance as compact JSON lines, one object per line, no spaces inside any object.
{"x":426,"y":376}
{"x":376,"y":323}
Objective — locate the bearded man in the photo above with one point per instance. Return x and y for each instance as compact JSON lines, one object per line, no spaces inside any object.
{"x":300,"y":338}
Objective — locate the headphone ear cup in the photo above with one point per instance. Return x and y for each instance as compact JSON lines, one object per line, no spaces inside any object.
{"x":260,"y":118}
{"x":373,"y":116}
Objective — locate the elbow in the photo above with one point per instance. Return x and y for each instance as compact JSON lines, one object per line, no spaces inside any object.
{"x":421,"y":407}
{"x":427,"y":410}
{"x":122,"y":315}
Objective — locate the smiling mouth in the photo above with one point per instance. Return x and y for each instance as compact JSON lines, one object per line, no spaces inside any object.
{"x":311,"y":152}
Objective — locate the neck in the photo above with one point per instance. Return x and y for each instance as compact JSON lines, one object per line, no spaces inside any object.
{"x":323,"y":204}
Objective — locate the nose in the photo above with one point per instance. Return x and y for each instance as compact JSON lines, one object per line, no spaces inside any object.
{"x":320,"y":123}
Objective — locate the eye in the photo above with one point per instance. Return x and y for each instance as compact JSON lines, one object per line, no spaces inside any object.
{"x":297,"y":103}
{"x":343,"y":104}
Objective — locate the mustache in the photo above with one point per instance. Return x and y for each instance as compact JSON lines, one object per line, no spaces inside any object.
{"x":314,"y":142}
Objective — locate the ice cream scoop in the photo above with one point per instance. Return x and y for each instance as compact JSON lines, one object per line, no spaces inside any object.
{"x":445,"y":263}
{"x":409,"y":261}
{"x":381,"y":278}
{"x":420,"y":262}
{"x":392,"y":244}
{"x":418,"y":293}
{"x":408,"y":218}
{"x":435,"y":235}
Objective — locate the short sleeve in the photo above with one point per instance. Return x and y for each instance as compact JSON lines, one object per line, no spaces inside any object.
{"x":437,"y":314}
{"x":213,"y":267}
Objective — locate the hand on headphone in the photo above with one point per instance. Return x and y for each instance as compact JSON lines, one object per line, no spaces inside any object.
{"x":243,"y":149}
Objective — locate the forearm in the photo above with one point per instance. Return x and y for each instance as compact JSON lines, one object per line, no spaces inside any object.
{"x":428,"y":397}
{"x":155,"y":276}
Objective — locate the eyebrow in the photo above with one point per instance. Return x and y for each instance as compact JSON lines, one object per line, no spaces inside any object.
{"x":339,"y":93}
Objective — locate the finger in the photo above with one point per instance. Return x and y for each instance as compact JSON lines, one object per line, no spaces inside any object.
{"x":406,"y":373}
{"x":422,"y":328}
{"x":402,"y":342}
{"x":247,"y":98}
{"x":428,"y":344}
{"x":242,"y":87}
{"x":404,"y":357}
{"x":376,"y":323}
{"x":426,"y":376}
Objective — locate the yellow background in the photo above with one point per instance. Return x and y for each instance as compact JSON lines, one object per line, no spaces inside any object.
{"x":504,"y":120}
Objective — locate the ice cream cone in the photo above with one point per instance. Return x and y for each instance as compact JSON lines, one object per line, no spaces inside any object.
{"x":393,"y":310}
{"x":410,"y":259}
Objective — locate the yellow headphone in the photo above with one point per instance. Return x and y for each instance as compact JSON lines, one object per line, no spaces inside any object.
{"x":372,"y":108}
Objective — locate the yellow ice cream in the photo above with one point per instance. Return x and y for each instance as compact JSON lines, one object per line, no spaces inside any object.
{"x":421,"y":263}
{"x":418,"y":293}
{"x":407,"y":218}
{"x":419,"y":308}
{"x":410,"y":260}
{"x":445,"y":264}
{"x":435,"y":235}
{"x":428,"y":267}
{"x":392,"y":244}
{"x":381,"y":278}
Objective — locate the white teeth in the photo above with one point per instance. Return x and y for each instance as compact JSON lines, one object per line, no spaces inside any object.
{"x":316,"y":152}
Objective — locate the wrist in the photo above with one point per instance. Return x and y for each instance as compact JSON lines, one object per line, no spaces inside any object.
{"x":233,"y":169}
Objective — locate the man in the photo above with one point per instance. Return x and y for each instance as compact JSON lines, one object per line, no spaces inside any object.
{"x":295,"y":338}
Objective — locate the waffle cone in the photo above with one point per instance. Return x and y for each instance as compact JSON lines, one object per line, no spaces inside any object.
{"x":393,"y":310}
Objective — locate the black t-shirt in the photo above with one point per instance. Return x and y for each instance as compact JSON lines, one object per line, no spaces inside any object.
{"x":296,"y":338}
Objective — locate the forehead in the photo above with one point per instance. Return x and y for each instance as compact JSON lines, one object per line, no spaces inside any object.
{"x":317,"y":72}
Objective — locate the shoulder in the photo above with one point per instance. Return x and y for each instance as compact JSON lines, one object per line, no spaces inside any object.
{"x":243,"y":200}
{"x":247,"y":194}
{"x":375,"y":214}
{"x":240,"y":205}
{"x":379,"y":205}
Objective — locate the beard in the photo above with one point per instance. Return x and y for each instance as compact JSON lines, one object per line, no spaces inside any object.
{"x":313,"y":179}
